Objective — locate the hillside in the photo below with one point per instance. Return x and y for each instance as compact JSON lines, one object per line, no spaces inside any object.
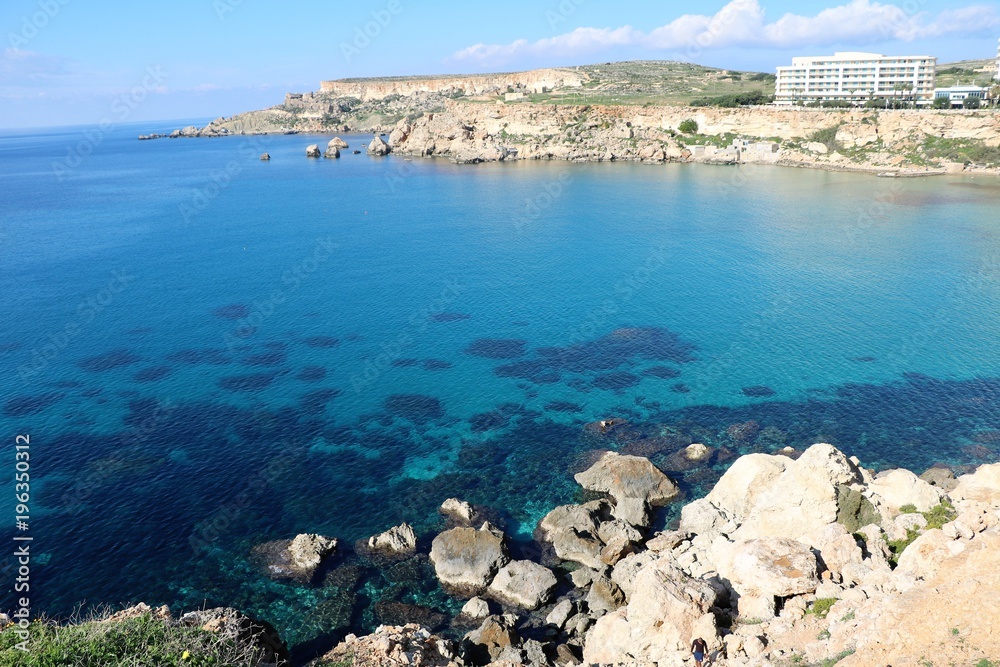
{"x":966,"y":72}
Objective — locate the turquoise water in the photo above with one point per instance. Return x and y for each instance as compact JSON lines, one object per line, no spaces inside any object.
{"x":210,"y":351}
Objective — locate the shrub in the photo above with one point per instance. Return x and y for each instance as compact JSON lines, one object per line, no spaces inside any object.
{"x":688,"y":126}
{"x":941,"y":103}
{"x":939,"y":515}
{"x":734,"y":100}
{"x":827,"y":137}
{"x":972,"y":103}
{"x":821,"y":607}
{"x":908,"y":508}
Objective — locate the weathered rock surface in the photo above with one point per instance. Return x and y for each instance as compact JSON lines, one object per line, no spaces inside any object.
{"x":628,"y":477}
{"x":523,"y":583}
{"x":466,"y":559}
{"x":399,"y":540}
{"x":773,"y":567}
{"x":338,"y":143}
{"x":657,"y":624}
{"x":897,"y":488}
{"x":571,"y":530}
{"x":981,"y":486}
{"x":390,"y":646}
{"x":458,"y":509}
{"x":332,"y":153}
{"x":295,"y":559}
{"x":378,"y":146}
{"x":312,"y":150}
{"x":260,"y":638}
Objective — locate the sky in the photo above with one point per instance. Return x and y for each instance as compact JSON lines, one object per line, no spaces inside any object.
{"x":72,"y":62}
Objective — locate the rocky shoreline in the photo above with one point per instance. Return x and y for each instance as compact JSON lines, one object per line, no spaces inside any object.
{"x":793,"y":558}
{"x":424,"y":124}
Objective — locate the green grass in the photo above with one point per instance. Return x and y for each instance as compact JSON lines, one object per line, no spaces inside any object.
{"x":896,"y":547}
{"x":821,"y":607}
{"x":987,"y":663}
{"x":830,"y":662}
{"x":961,"y":150}
{"x":827,"y":137}
{"x":138,"y":642}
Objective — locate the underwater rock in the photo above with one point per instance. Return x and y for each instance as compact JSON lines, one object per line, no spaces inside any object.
{"x":297,"y":558}
{"x":458,"y":508}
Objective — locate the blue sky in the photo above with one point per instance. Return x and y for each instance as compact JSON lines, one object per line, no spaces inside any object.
{"x":69,"y":62}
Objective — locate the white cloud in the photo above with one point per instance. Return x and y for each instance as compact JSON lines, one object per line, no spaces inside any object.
{"x":742,"y":23}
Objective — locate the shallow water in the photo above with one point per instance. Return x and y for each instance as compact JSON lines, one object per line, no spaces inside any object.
{"x":210,"y":351}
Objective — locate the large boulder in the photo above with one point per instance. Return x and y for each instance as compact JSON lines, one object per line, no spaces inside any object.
{"x":625,"y":476}
{"x":666,"y":607}
{"x":466,"y":559}
{"x":633,"y":481}
{"x":772,"y":567}
{"x":981,"y":486}
{"x":332,"y":153}
{"x":737,"y":490}
{"x":523,"y":583}
{"x":491,"y":639}
{"x":458,"y":509}
{"x":312,"y":150}
{"x":897,"y":488}
{"x":378,"y":146}
{"x":572,"y":531}
{"x":295,"y":559}
{"x":802,"y":500}
{"x":337,"y":142}
{"x":399,"y":540}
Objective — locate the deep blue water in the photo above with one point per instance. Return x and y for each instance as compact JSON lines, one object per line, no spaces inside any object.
{"x":210,"y":351}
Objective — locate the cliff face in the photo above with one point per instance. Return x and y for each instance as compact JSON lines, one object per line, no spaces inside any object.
{"x":533,"y":81}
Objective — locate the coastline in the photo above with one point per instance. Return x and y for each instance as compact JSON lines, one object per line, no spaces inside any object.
{"x":794,"y":557}
{"x":890,"y":143}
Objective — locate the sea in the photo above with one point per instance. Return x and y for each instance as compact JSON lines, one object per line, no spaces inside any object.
{"x":209,"y":352}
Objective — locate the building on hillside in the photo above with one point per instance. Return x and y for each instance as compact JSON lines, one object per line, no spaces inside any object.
{"x":856,"y":77}
{"x":958,"y":94}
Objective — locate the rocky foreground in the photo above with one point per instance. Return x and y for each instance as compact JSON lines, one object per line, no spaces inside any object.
{"x":787,"y":561}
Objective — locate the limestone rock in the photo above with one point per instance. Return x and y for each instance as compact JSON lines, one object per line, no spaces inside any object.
{"x":942,"y":478}
{"x":523,"y":583}
{"x":396,"y":541}
{"x":458,"y":509}
{"x":332,"y":153}
{"x":560,"y":613}
{"x":657,"y":624}
{"x":378,"y":146}
{"x":571,"y":530}
{"x":802,"y":500}
{"x":616,"y":549}
{"x":627,"y":569}
{"x":628,"y":477}
{"x":476,"y":608}
{"x":581,"y":577}
{"x":297,"y":558}
{"x":981,"y":486}
{"x":701,"y":517}
{"x":924,"y":556}
{"x":816,"y":147}
{"x":338,"y":143}
{"x":737,"y":490}
{"x":466,"y":559}
{"x":697,"y":452}
{"x":385,"y":646}
{"x":312,"y":150}
{"x":487,"y":642}
{"x":265,"y":156}
{"x":773,"y":567}
{"x":897,"y":488}
{"x":604,"y":595}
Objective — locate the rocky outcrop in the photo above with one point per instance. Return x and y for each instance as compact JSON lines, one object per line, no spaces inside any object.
{"x":378,"y":147}
{"x":260,"y":638}
{"x":337,"y":143}
{"x":632,"y":481}
{"x":466,"y":560}
{"x":331,"y":153}
{"x":397,"y":541}
{"x":295,"y":559}
{"x":522,"y":583}
{"x":391,"y":646}
{"x":312,"y":150}
{"x":458,"y":509}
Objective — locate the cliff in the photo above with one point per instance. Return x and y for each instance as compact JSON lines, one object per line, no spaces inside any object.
{"x":534,"y":81}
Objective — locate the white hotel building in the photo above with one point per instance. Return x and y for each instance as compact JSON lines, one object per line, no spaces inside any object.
{"x":856,"y":77}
